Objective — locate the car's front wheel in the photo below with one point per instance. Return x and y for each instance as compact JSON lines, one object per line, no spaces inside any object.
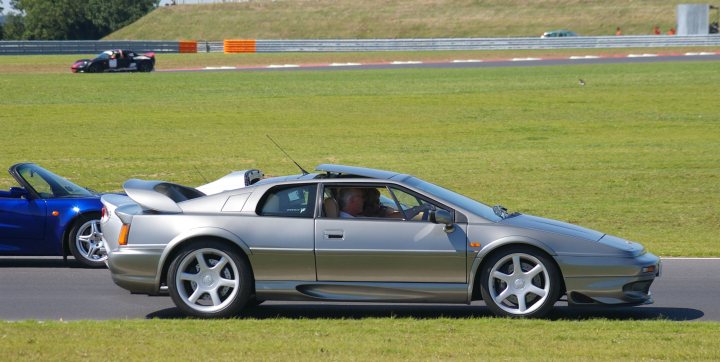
{"x":85,"y":242}
{"x":209,"y":279}
{"x":520,"y":282}
{"x":93,"y":68}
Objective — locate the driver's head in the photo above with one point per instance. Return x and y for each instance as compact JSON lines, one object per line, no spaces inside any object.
{"x":352,"y":200}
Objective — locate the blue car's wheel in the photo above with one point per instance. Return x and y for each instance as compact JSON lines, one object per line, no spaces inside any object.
{"x":85,"y":242}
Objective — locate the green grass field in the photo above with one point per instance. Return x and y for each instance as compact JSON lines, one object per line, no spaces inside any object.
{"x":370,"y":339}
{"x":328,"y":19}
{"x":635,"y":152}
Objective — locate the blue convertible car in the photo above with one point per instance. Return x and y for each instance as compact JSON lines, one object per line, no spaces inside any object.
{"x":48,"y":215}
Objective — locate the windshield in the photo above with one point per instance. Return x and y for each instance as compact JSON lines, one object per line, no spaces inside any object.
{"x":103,"y":55}
{"x":48,"y":184}
{"x":464,"y":202}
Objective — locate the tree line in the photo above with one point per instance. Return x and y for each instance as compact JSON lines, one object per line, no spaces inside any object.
{"x":70,"y":19}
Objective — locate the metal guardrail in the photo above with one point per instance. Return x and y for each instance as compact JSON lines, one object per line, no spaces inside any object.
{"x":83,"y":46}
{"x":482,"y":43}
{"x":368,"y":45}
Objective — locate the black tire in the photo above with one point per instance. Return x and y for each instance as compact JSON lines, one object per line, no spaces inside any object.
{"x":188,"y":280}
{"x":539,"y":291}
{"x":93,"y":68}
{"x":85,"y":243}
{"x":144,"y":67}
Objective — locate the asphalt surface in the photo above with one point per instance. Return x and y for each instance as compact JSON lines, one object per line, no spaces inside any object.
{"x":47,"y":289}
{"x":470,"y":63}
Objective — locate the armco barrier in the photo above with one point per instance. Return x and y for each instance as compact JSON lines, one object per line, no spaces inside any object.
{"x":365,"y":45}
{"x":84,"y":46}
{"x":360,"y":45}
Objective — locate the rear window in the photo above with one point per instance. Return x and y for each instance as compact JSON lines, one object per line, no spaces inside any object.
{"x":178,"y":193}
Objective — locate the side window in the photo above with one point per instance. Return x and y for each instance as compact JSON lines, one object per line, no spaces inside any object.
{"x":351,"y":201}
{"x":413,"y":207}
{"x":288,"y":201}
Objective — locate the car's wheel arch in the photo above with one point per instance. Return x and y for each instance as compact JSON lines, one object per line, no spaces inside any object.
{"x":70,"y":226}
{"x":501,"y":246}
{"x":175,"y":247}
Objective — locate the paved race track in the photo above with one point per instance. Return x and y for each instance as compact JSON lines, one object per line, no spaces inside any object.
{"x":47,"y":289}
{"x":469,"y":63}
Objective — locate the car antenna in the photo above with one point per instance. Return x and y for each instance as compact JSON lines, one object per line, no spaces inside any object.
{"x":288,"y":156}
{"x":200,"y":173}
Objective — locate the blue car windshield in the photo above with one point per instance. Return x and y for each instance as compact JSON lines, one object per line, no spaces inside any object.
{"x":48,"y":184}
{"x":464,"y":202}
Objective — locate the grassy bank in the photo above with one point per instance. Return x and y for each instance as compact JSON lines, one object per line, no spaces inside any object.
{"x":634,"y":153}
{"x":327,"y":19}
{"x":364,"y":339}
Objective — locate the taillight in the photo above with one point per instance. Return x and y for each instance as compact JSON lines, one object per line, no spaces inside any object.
{"x":103,"y":213}
{"x":123,"y":237}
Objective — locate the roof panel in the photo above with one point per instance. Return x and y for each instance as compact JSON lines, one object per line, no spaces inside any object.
{"x":358,"y":171}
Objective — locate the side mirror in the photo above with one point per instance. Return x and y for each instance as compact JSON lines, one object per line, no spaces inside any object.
{"x":18,"y":192}
{"x":442,"y":216}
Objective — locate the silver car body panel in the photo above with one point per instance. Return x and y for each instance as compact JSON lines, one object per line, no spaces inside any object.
{"x":369,"y":259}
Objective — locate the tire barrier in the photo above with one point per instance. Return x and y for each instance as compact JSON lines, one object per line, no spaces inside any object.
{"x":187,"y":46}
{"x":240,"y":46}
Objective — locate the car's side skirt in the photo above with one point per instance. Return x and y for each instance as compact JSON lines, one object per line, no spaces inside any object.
{"x":363,"y":292}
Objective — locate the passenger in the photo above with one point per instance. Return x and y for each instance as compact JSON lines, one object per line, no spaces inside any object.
{"x":373,"y":207}
{"x":351,"y":202}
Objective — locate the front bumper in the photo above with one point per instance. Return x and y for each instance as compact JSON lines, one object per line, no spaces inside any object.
{"x":609,"y":280}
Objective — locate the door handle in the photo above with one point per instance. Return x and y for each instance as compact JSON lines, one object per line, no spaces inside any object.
{"x":334,"y":234}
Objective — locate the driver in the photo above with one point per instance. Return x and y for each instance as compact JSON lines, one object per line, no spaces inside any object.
{"x":351,"y":202}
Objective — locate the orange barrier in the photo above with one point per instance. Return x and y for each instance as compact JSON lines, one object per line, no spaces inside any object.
{"x":187,"y":46}
{"x":239,"y":46}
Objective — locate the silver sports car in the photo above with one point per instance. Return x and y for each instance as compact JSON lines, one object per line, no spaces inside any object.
{"x":357,"y":234}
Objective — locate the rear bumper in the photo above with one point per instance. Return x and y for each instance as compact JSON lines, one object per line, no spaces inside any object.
{"x":136,"y":269}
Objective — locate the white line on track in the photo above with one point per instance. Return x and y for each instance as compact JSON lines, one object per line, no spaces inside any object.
{"x":701,"y":53}
{"x":641,"y":55}
{"x":574,"y":57}
{"x":216,"y":68}
{"x":283,"y":66}
{"x":467,"y":61}
{"x":345,"y":64}
{"x":524,"y":59}
{"x":407,"y":62}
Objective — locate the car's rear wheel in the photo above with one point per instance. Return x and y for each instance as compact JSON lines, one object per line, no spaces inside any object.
{"x":209,"y":279}
{"x":85,"y":242}
{"x":144,"y":67}
{"x":520,"y":282}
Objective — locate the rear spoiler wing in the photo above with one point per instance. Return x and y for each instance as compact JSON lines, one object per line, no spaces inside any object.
{"x":159,"y":195}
